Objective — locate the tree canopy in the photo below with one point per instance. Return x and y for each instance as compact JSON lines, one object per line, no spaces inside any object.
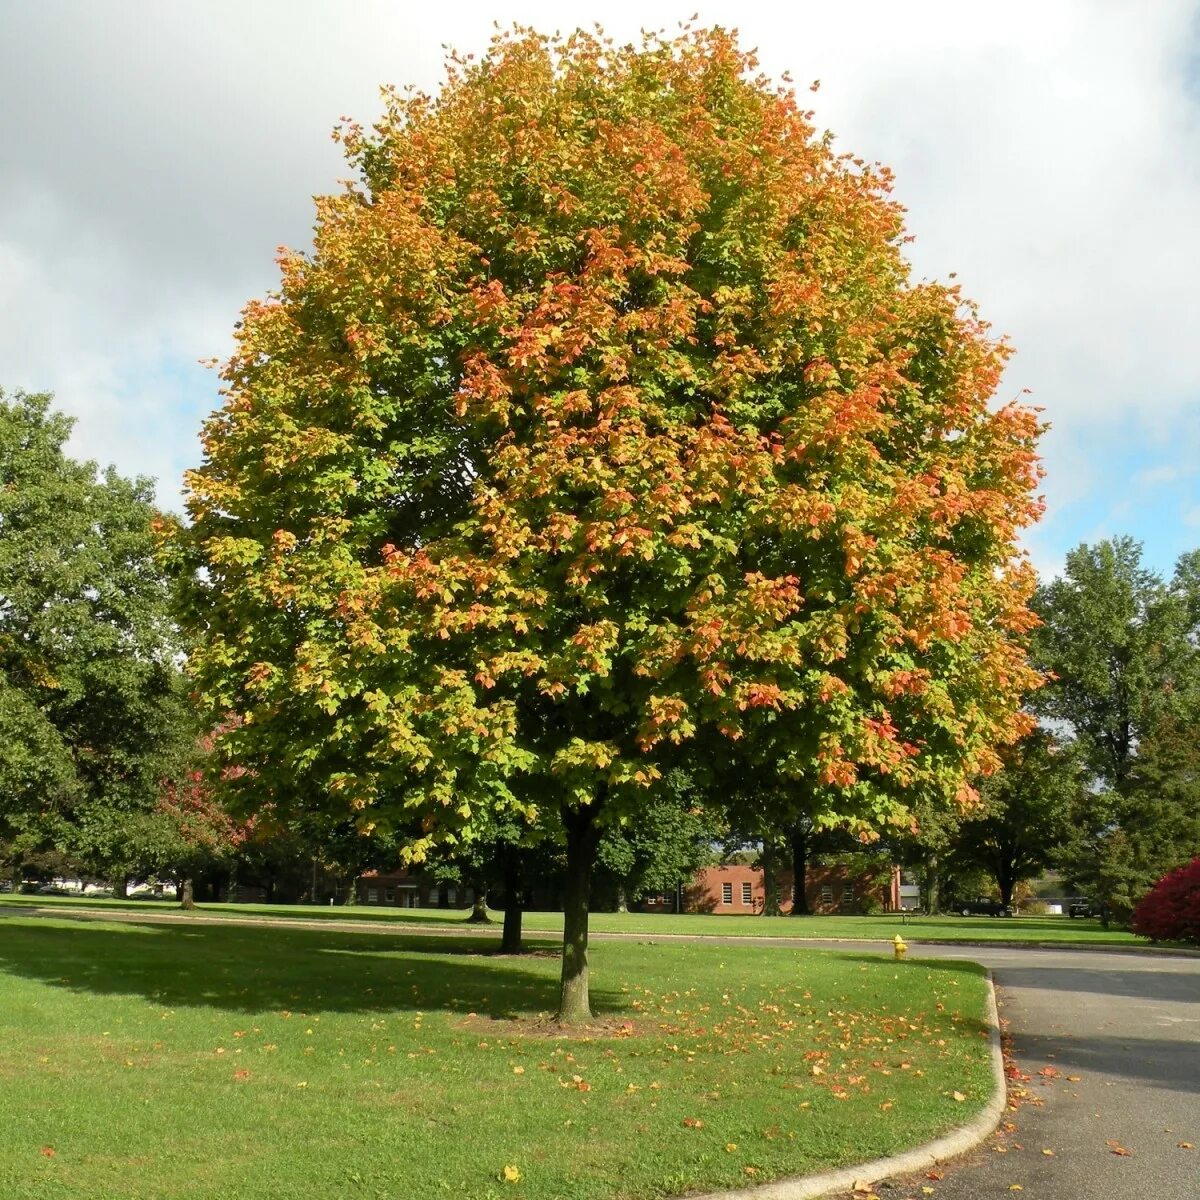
{"x":603,"y":427}
{"x":1121,"y":647}
{"x":92,"y":710}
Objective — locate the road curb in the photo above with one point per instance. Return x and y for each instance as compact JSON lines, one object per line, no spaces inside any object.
{"x":950,"y":1145}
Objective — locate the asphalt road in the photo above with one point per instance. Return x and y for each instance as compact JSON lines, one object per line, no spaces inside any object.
{"x":1110,"y":1043}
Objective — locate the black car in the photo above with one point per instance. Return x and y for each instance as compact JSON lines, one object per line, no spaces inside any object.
{"x":983,"y":906}
{"x":1082,"y":908}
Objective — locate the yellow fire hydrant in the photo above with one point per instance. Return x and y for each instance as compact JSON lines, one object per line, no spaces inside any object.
{"x":900,"y":946}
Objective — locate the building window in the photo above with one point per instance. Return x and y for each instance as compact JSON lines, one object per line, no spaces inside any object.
{"x":372,"y":895}
{"x":847,"y":893}
{"x":451,"y":896}
{"x":389,"y":894}
{"x":826,"y":893}
{"x":727,"y":893}
{"x":747,"y":894}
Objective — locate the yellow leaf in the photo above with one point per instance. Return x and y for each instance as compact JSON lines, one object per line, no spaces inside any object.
{"x":959,"y":1097}
{"x":518,"y":1070}
{"x":1048,"y":1153}
{"x":730,"y":1147}
{"x":511,"y":1174}
{"x":1015,"y":1187}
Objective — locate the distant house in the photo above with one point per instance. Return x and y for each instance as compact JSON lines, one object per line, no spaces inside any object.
{"x":833,"y":888}
{"x":402,"y":889}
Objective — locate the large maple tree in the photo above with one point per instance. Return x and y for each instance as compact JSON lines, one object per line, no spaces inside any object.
{"x":603,"y":426}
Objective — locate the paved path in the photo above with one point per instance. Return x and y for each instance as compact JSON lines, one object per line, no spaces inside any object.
{"x":1110,"y":1041}
{"x":1119,"y":1037}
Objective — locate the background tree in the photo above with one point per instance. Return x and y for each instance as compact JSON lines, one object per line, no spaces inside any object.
{"x":1025,"y":813}
{"x":662,"y":848}
{"x":91,"y":694}
{"x":1115,"y":640}
{"x":1121,"y":645}
{"x":604,"y":421}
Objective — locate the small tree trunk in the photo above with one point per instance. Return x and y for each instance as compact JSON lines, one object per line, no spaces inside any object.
{"x":1007,"y":881}
{"x":510,"y":941}
{"x":120,"y":887}
{"x":514,"y":905}
{"x":574,"y":1006}
{"x":933,"y":900}
{"x":798,"y":838}
{"x":479,"y":906}
{"x":622,"y":899}
{"x":349,"y":894}
{"x":770,"y":880}
{"x":187,"y":893}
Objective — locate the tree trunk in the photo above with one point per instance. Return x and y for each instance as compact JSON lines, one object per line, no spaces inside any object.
{"x":933,"y":901}
{"x":574,"y":1006}
{"x":349,"y":894}
{"x":770,"y":880}
{"x":120,"y":887}
{"x":187,"y":893}
{"x":622,"y":899}
{"x":510,"y":941}
{"x":1007,"y":881}
{"x":798,"y":838}
{"x":479,"y":906}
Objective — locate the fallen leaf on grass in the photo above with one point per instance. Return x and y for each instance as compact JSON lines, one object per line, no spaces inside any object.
{"x":511,"y":1174}
{"x":693,"y":1122}
{"x":518,"y":1070}
{"x":959,"y":1097}
{"x":730,"y":1147}
{"x":48,"y":1151}
{"x":749,"y":1170}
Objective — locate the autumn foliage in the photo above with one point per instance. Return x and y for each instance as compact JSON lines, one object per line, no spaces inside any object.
{"x":1170,"y":911}
{"x":603,"y":426}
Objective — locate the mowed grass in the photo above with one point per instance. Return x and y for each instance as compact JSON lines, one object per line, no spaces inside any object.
{"x":948,"y":928}
{"x":179,"y":1061}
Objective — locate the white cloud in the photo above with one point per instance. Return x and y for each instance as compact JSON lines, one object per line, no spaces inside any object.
{"x":154,"y":155}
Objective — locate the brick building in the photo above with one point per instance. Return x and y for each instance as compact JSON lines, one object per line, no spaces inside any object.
{"x":738,"y":888}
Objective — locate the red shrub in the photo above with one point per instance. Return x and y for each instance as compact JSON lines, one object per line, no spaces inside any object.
{"x":1170,"y":911}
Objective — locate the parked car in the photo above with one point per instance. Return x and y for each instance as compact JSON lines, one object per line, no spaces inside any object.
{"x":983,"y":906}
{"x":1080,"y":907}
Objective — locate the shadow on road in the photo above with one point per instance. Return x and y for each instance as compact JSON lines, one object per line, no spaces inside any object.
{"x":1140,"y":983}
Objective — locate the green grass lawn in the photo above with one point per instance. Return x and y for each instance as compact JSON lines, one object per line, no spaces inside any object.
{"x":202,"y":1060}
{"x":936,"y":929}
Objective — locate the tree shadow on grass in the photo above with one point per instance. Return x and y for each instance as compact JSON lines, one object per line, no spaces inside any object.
{"x":250,"y":969}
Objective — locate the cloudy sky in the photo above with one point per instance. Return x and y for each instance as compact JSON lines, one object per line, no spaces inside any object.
{"x":154,"y":154}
